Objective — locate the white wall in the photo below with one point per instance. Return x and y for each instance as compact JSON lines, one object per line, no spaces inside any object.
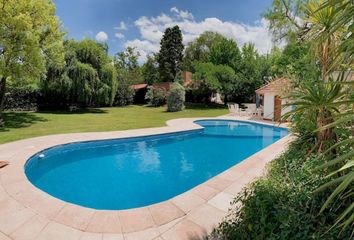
{"x":268,"y":106}
{"x":287,"y":109}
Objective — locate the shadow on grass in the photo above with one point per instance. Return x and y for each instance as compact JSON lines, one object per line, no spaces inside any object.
{"x":79,"y":111}
{"x":19,"y":120}
{"x":198,"y":106}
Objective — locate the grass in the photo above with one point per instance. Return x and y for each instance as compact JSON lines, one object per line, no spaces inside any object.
{"x":21,"y":125}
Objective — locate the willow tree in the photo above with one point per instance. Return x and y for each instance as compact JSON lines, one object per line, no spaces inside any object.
{"x":30,"y":36}
{"x":87,"y":79}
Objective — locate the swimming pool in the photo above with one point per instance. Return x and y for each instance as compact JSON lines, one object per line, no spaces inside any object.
{"x":135,"y":172}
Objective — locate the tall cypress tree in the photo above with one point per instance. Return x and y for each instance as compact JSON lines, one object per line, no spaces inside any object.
{"x":171,"y":54}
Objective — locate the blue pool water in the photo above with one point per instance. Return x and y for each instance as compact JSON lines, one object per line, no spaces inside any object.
{"x":135,"y":172}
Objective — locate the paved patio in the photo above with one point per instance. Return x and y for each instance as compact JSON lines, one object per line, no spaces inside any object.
{"x":29,"y":213}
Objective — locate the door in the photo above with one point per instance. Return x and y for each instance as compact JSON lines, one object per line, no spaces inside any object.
{"x":277,"y":108}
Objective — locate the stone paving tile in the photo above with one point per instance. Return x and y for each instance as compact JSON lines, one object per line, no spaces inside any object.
{"x":185,"y":230}
{"x":135,"y":220}
{"x":222,"y":201}
{"x":10,"y":221}
{"x":91,"y":236}
{"x":105,"y":222}
{"x":148,"y":234}
{"x":214,"y":217}
{"x":165,"y":212}
{"x":111,"y":236}
{"x":59,"y":232}
{"x":235,"y":188}
{"x":30,"y":229}
{"x":74,"y":216}
{"x":168,"y":226}
{"x":231,"y":175}
{"x":4,"y":237}
{"x":48,"y":207}
{"x":188,"y":201}
{"x":218,"y":183}
{"x":205,"y":191}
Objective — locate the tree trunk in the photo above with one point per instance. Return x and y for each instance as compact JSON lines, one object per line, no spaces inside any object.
{"x":2,"y":98}
{"x":323,"y":120}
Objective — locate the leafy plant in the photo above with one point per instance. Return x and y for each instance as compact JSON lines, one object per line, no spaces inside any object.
{"x":176,"y":98}
{"x":156,"y":96}
{"x":282,"y":205}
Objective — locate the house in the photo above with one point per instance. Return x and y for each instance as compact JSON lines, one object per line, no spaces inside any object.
{"x":140,"y":92}
{"x":141,"y":89}
{"x":272,"y":97}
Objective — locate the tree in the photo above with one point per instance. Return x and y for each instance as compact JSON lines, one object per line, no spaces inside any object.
{"x":129,"y":72}
{"x":225,"y":52}
{"x":30,"y":37}
{"x":150,"y":70}
{"x":199,"y":49}
{"x":217,"y":78}
{"x":171,"y":54}
{"x":127,"y":66}
{"x":88,"y":77}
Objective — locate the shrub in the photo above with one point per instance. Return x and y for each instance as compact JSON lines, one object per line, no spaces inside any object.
{"x":283,"y":205}
{"x":156,"y":96}
{"x":124,"y":95}
{"x":176,"y":98}
{"x":21,"y":98}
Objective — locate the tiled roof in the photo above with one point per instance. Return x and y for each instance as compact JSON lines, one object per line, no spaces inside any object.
{"x":278,"y":86}
{"x":139,"y":86}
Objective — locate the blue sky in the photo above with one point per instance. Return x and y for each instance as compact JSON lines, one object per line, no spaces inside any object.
{"x":140,"y":24}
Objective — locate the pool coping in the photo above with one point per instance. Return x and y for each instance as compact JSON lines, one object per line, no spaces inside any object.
{"x":27,"y":212}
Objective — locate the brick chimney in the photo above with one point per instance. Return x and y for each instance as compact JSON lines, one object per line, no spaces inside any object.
{"x":187,"y":78}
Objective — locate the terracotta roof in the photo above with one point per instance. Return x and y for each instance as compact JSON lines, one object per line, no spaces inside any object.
{"x":163,"y":85}
{"x":139,"y":86}
{"x":278,"y":86}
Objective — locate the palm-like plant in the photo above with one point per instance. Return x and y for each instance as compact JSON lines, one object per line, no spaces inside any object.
{"x":344,"y":12}
{"x":320,"y":20}
{"x":342,"y":177}
{"x":322,"y":99}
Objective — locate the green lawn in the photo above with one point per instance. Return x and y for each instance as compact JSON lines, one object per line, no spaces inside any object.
{"x":20,"y":125}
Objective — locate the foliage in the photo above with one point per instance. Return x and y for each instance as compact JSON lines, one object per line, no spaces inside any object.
{"x":124,"y":95}
{"x":282,"y":204}
{"x":176,"y":98}
{"x":285,"y":19}
{"x":327,"y":29}
{"x":217,"y":78}
{"x":171,"y":54}
{"x":156,"y":96}
{"x":150,"y":70}
{"x":252,"y":73}
{"x":199,"y":49}
{"x":29,"y":32}
{"x":87,"y":79}
{"x":321,"y":99}
{"x":344,"y":11}
{"x":127,"y":66}
{"x":295,"y":60}
{"x":23,"y":98}
{"x":225,"y":52}
{"x":341,"y":165}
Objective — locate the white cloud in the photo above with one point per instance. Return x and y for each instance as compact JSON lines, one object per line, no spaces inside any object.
{"x":101,"y":36}
{"x":151,"y":31}
{"x":181,"y":14}
{"x":119,"y":35}
{"x":122,"y":26}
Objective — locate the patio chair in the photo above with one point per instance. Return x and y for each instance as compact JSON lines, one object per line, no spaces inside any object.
{"x":234,"y":109}
{"x":251,"y":109}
